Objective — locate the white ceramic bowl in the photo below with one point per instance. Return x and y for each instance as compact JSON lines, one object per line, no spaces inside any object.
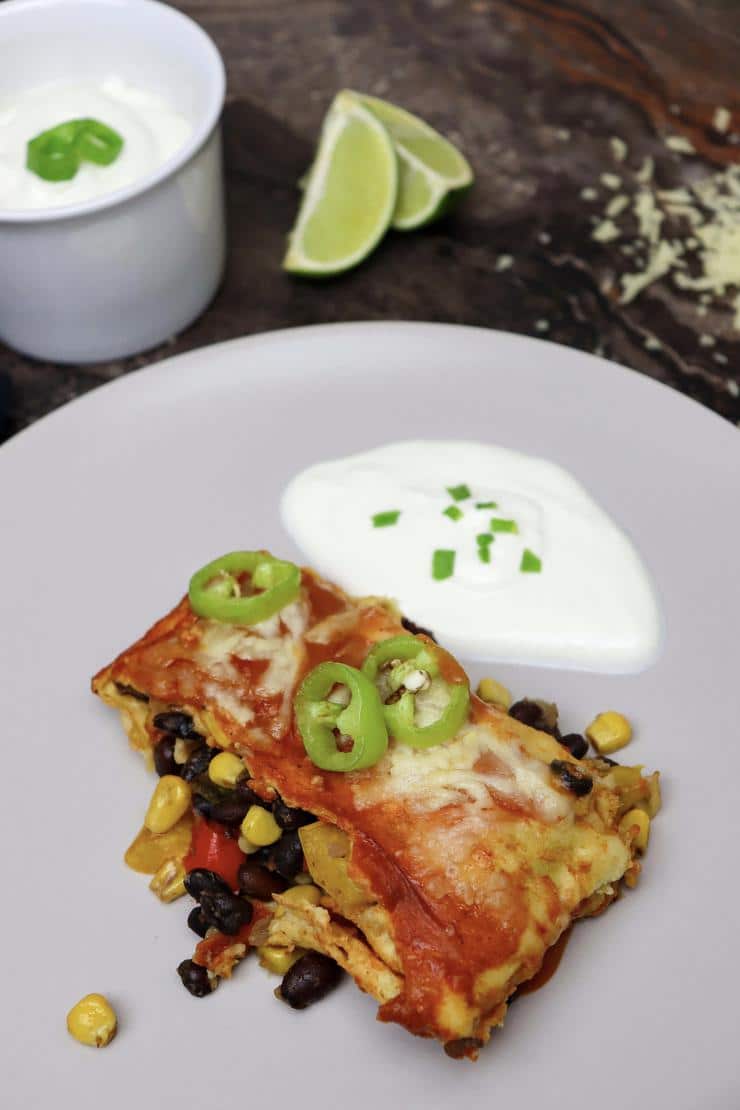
{"x":121,"y":273}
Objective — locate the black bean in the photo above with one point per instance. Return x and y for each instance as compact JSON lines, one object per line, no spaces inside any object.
{"x":164,"y":757}
{"x":208,"y":789}
{"x":572,"y":777}
{"x":308,"y":980}
{"x":576,"y":744}
{"x":257,"y":882}
{"x":201,"y":805}
{"x":130,"y":692}
{"x":287,"y":855}
{"x":201,"y":881}
{"x":225,"y":911}
{"x":244,"y":790}
{"x":195,"y":979}
{"x":227,"y":810}
{"x":526,"y":711}
{"x":532,"y":714}
{"x":288,"y":818}
{"x":416,"y":629}
{"x":179,"y":724}
{"x":197,"y":762}
{"x":197,"y":922}
{"x":263,"y":856}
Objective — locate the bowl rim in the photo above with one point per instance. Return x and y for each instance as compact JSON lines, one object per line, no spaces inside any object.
{"x":200,"y":135}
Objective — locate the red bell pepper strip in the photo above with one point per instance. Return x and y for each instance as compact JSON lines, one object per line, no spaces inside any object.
{"x":211,"y":847}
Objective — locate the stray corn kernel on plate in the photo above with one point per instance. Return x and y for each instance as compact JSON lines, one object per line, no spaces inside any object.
{"x":647,"y":988}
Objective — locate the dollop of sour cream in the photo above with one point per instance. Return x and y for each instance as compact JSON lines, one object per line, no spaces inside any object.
{"x":152,"y":131}
{"x":505,"y":556}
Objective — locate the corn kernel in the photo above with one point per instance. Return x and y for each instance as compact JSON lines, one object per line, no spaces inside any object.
{"x":170,"y":801}
{"x":247,"y":846}
{"x":225,"y":769}
{"x":278,"y":960}
{"x":608,"y":732}
{"x":92,"y":1021}
{"x":260,"y":827}
{"x":636,"y":824}
{"x":168,"y":883}
{"x":295,"y":895}
{"x":495,"y":693}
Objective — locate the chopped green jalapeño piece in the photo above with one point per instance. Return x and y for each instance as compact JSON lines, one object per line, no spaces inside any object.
{"x":486,"y":504}
{"x":443,"y":564}
{"x":384,"y":520}
{"x":56,"y":154}
{"x":484,"y":541}
{"x":498,"y":524}
{"x":459,"y":493}
{"x":453,"y":512}
{"x":531,"y":563}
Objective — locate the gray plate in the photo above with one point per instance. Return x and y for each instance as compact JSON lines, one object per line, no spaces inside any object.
{"x":107,"y":506}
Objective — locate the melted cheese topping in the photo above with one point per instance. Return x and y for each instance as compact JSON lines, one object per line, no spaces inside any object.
{"x":431,"y":778}
{"x":230,"y":703}
{"x":220,"y":644}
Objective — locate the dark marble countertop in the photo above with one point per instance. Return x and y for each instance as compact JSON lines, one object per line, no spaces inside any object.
{"x":605,"y":140}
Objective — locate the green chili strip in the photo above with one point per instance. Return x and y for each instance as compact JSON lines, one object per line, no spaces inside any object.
{"x":56,"y":154}
{"x":453,"y":512}
{"x":52,"y":155}
{"x":486,"y":504}
{"x":98,"y":143}
{"x":384,"y":520}
{"x":499,"y":525}
{"x":443,"y":564}
{"x":459,"y":493}
{"x":531,"y":563}
{"x":322,"y":721}
{"x":216,"y":590}
{"x":401,"y":659}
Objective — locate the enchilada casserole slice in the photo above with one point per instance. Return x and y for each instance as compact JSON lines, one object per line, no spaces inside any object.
{"x":435,"y":850}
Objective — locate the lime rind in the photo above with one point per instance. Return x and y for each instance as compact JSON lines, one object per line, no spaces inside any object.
{"x":421,"y":141}
{"x":350,"y":195}
{"x":433,"y":172}
{"x":422,"y":196}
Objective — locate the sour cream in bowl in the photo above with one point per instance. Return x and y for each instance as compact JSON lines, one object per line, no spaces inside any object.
{"x":111,"y":193}
{"x":149,"y":128}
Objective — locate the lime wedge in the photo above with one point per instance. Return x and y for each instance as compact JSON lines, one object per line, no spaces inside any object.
{"x":350,"y":195}
{"x":432,"y":171}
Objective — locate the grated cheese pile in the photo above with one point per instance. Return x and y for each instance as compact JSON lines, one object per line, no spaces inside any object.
{"x":690,"y":234}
